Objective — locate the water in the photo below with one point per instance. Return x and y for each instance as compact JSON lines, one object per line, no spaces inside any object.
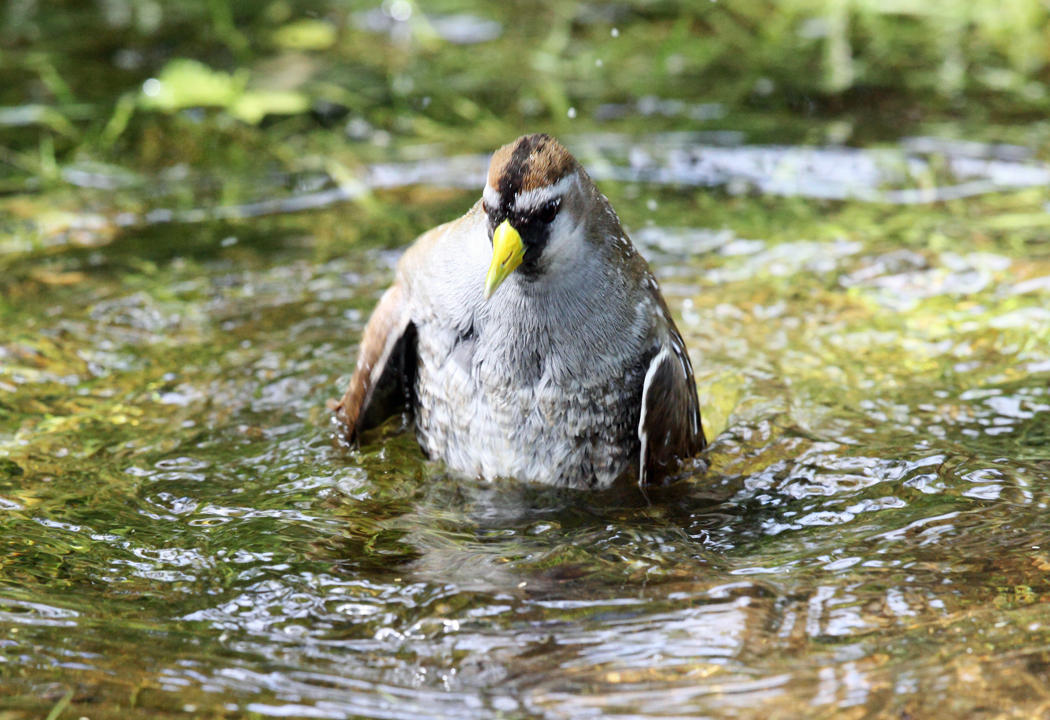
{"x":870,"y":333}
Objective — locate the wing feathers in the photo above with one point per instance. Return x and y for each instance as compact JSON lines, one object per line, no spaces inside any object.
{"x":669,"y":423}
{"x":385,"y":369}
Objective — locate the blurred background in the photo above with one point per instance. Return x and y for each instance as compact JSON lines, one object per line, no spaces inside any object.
{"x":845,"y":201}
{"x":118,"y":93}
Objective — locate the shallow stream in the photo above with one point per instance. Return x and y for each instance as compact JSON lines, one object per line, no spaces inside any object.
{"x":870,"y":329}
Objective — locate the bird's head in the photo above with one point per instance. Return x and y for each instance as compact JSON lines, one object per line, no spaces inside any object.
{"x":532,"y":199}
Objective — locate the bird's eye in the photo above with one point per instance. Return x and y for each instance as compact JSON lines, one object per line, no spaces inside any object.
{"x":548,"y":212}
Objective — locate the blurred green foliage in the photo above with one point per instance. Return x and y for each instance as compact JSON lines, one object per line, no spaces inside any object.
{"x":76,"y":76}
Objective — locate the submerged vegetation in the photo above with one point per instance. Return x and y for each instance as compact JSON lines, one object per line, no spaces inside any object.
{"x":846,"y":203}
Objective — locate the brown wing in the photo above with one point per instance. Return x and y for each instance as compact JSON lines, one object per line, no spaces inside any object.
{"x":382,"y":383}
{"x":669,"y":427}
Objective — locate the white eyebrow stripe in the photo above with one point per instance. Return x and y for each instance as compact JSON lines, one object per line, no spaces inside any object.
{"x":538,"y":197}
{"x":490,"y":196}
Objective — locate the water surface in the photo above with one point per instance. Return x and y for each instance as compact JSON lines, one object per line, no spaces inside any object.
{"x":867,"y":315}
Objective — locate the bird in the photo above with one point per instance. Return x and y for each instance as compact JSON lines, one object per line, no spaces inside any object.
{"x":528,"y":339}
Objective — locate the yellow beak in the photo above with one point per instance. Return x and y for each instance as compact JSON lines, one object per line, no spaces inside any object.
{"x":507,"y":253}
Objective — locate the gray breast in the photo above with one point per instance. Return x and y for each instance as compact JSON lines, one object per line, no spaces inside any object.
{"x":526,"y":393}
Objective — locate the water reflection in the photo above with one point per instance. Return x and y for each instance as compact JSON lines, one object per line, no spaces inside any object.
{"x":870,"y":533}
{"x":918,"y":172}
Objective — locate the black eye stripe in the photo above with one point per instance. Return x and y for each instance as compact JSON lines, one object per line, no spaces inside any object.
{"x":544,"y":213}
{"x":549,"y":211}
{"x":522,"y":218}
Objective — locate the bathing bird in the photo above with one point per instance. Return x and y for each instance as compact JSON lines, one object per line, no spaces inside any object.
{"x":529,"y":338}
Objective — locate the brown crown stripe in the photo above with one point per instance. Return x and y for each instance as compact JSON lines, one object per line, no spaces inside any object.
{"x":530,"y":162}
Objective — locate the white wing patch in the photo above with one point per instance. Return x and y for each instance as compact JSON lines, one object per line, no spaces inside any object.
{"x":643,"y":435}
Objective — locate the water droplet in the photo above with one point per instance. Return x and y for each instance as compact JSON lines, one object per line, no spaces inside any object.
{"x":400,"y":10}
